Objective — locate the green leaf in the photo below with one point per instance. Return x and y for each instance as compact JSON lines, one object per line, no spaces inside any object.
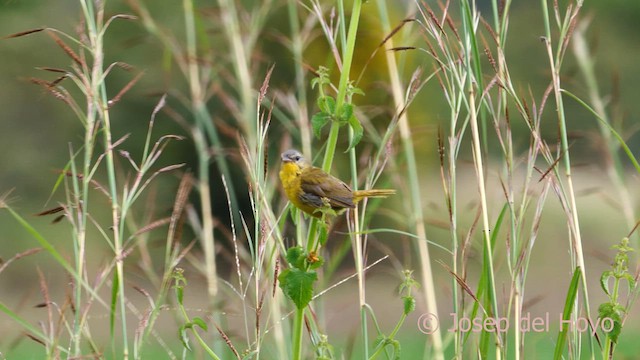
{"x":356,"y":91}
{"x":297,"y":285}
{"x":631,"y":281}
{"x":346,"y":112}
{"x":314,"y":82}
{"x":180,"y":294}
{"x":318,"y":121}
{"x":358,"y":131}
{"x":200,"y":323}
{"x":182,"y":334}
{"x":409,"y":304}
{"x":327,"y":104}
{"x":614,"y":312}
{"x":296,"y":257}
{"x":604,"y":281}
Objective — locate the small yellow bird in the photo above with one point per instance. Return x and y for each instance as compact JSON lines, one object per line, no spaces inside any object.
{"x":310,"y":188}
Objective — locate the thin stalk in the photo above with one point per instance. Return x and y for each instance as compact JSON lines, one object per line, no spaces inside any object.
{"x":615,"y":168}
{"x":331,"y":143}
{"x":343,"y":84}
{"x":391,"y":336}
{"x":479,"y":167}
{"x":500,"y":24}
{"x":332,"y":140}
{"x":555,"y":64}
{"x":240,"y":64}
{"x":81,"y":230}
{"x":417,"y":216}
{"x":358,"y":251}
{"x":298,"y":323}
{"x":195,"y":333}
{"x":453,"y":208}
{"x":301,"y":88}
{"x":94,"y":22}
{"x":197,"y":95}
{"x":469,"y":15}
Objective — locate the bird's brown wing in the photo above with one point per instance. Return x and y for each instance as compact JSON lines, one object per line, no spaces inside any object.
{"x":317,"y":184}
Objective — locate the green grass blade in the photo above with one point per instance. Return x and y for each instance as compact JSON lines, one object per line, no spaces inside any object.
{"x":624,"y":146}
{"x":54,"y":253}
{"x":566,"y":313}
{"x":25,"y":324}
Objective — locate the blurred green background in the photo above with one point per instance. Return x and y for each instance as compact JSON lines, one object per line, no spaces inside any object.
{"x":36,"y":130}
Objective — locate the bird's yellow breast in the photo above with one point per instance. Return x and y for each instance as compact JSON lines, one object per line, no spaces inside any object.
{"x":290,"y":177}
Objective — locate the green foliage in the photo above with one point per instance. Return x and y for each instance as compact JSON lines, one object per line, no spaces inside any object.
{"x":461,"y":70}
{"x":405,"y":288}
{"x":297,"y":282}
{"x":179,"y":283}
{"x":409,"y":304}
{"x":296,"y":257}
{"x":182,"y":331}
{"x":615,"y":312}
{"x":612,"y":309}
{"x":345,"y":115}
{"x":297,"y":285}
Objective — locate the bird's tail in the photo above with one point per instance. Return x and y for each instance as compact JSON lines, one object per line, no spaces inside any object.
{"x":375,"y":193}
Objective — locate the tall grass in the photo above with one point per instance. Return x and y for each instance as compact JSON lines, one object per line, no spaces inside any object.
{"x":271,"y":304}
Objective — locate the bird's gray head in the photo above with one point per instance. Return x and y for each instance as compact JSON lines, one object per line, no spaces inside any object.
{"x":293,"y":156}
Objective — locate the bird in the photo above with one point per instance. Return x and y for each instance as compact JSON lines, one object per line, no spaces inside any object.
{"x":310,"y":189}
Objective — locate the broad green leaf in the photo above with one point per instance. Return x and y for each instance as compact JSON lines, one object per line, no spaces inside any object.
{"x":297,"y":285}
{"x":346,"y":112}
{"x":318,"y":121}
{"x":615,"y":313}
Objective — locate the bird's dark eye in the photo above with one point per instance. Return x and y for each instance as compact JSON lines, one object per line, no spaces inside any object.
{"x":296,"y":158}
